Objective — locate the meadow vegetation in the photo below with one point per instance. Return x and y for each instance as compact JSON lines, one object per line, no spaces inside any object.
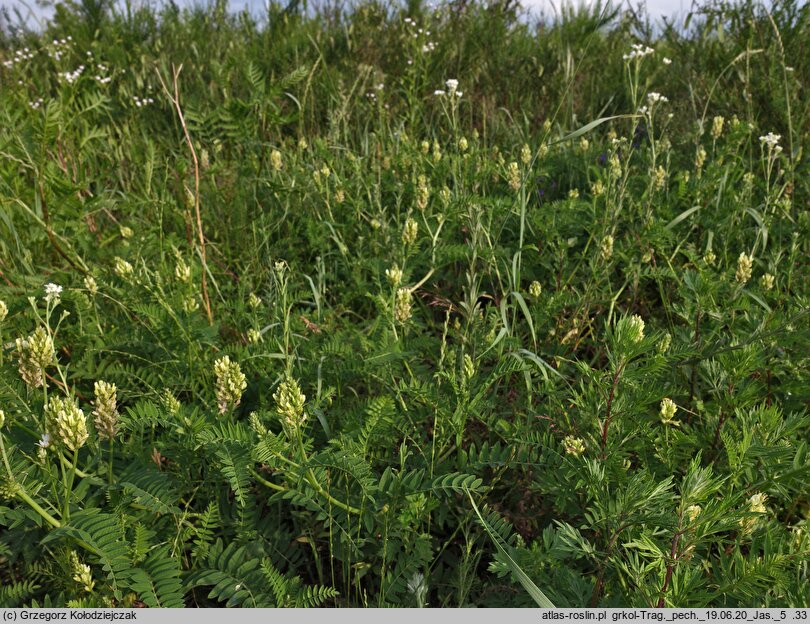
{"x":405,"y":305}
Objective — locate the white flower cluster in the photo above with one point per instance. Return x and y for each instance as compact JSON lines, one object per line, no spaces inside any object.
{"x":416,"y":33}
{"x":653,"y":98}
{"x":372,"y":95}
{"x":100,"y":77}
{"x":19,"y":56}
{"x":140,"y":102}
{"x":52,"y":292}
{"x":35,"y":104}
{"x":60,"y":46}
{"x":73,"y":76}
{"x":771,"y":140}
{"x":637,"y":51}
{"x":452,"y":89}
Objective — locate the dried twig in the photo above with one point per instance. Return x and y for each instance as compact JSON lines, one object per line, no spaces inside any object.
{"x":174,"y":97}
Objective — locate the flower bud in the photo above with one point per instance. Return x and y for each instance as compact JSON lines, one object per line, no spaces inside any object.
{"x":632,"y":327}
{"x":290,"y":403}
{"x":606,"y":247}
{"x":105,"y":416}
{"x":513,"y":176}
{"x":275,"y":160}
{"x":123,"y":269}
{"x":767,"y":281}
{"x":254,"y":301}
{"x":71,"y":425}
{"x":410,"y":231}
{"x":394,"y":275}
{"x":36,"y":353}
{"x":668,"y":409}
{"x":402,"y":305}
{"x":573,"y":446}
{"x":231,"y":383}
{"x":525,"y":154}
{"x":744,"y":268}
{"x":169,"y":402}
{"x":81,"y":572}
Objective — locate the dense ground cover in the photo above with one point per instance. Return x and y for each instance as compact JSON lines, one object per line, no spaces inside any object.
{"x":416,"y":307}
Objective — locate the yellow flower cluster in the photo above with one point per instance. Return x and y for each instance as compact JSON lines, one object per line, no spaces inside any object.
{"x":35,"y":353}
{"x":231,"y":383}
{"x":290,"y":404}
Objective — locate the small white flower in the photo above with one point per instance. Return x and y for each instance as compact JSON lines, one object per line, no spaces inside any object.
{"x":770,"y":139}
{"x":438,"y":92}
{"x":452,"y":85}
{"x":44,"y":441}
{"x":637,"y":51}
{"x":52,"y":292}
{"x":655,"y":98}
{"x":667,"y":61}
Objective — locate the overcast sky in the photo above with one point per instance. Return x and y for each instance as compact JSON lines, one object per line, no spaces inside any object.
{"x":656,"y":8}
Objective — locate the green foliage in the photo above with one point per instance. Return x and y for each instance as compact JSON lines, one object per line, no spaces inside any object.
{"x":544,"y":342}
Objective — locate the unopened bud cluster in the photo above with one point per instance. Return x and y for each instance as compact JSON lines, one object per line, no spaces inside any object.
{"x":422,"y":193}
{"x":275,"y":160}
{"x":633,"y":328}
{"x":573,"y":445}
{"x":64,"y":419}
{"x":410,"y":231}
{"x":513,"y":176}
{"x":290,"y":403}
{"x":231,"y":383}
{"x":81,"y":572}
{"x":402,"y":305}
{"x":35,"y":354}
{"x":693,"y":511}
{"x":105,"y":414}
{"x":123,"y":269}
{"x":756,"y":505}
{"x":169,"y":402}
{"x":744,"y":268}
{"x":394,"y":275}
{"x":668,"y":409}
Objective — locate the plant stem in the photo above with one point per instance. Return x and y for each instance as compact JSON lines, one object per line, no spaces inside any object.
{"x":608,"y":416}
{"x":23,"y":494}
{"x":313,"y":481}
{"x":670,"y":568}
{"x":110,"y":465}
{"x":69,"y":486}
{"x":265,"y":482}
